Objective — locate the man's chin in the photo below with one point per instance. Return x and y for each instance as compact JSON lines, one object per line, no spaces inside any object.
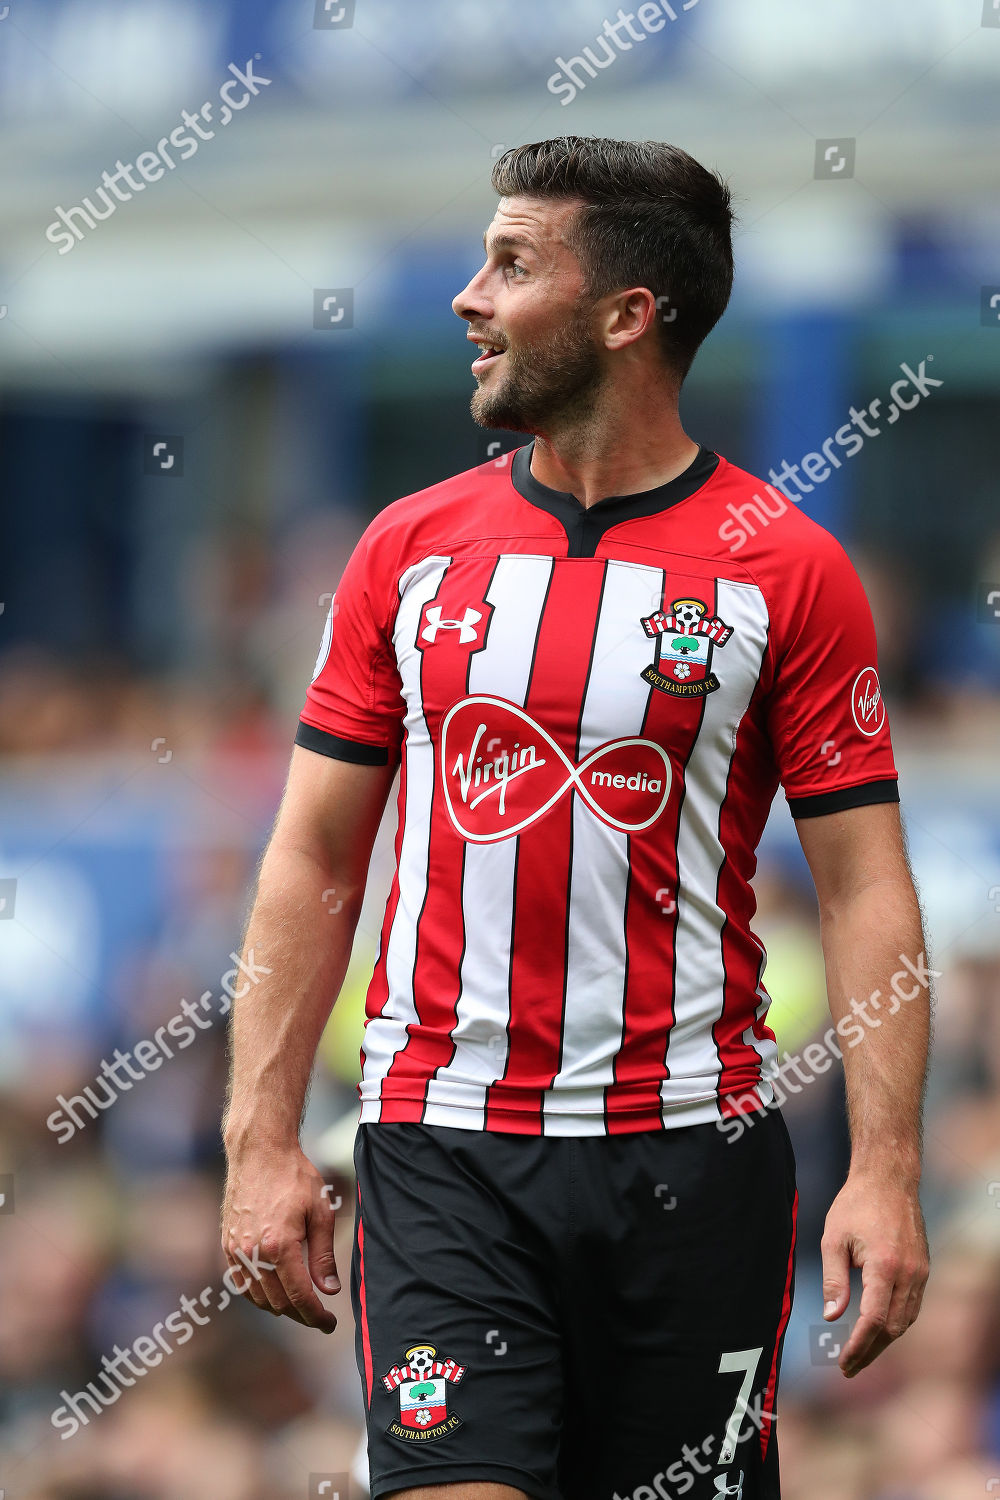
{"x":487,"y":411}
{"x":502,"y":422}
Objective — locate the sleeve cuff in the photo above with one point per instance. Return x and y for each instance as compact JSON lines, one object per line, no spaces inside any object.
{"x":339,"y":748}
{"x":845,"y":797}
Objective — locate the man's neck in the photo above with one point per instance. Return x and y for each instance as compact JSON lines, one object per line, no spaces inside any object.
{"x":592,"y":466}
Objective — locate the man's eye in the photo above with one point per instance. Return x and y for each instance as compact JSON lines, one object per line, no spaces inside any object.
{"x":516,"y":266}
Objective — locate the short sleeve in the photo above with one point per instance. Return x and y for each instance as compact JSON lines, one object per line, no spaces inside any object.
{"x":826,"y":716}
{"x":354,"y":704}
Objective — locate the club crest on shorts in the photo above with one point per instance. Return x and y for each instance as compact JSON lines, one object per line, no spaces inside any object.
{"x":685,"y":638}
{"x":422,"y":1383}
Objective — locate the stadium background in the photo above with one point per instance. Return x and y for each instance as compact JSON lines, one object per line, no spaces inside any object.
{"x":162,"y":608}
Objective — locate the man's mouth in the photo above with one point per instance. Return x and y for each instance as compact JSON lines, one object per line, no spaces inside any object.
{"x":487,"y":353}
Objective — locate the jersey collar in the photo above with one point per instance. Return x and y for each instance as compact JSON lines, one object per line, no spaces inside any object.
{"x":585,"y":525}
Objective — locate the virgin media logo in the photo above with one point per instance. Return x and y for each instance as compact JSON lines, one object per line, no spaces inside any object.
{"x":502,"y":771}
{"x":867,"y":703}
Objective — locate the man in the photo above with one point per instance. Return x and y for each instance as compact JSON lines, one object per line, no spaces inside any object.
{"x":574,"y":1252}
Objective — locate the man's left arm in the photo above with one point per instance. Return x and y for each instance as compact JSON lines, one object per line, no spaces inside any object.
{"x":879,"y":988}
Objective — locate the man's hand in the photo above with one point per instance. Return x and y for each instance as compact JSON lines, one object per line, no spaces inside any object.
{"x":875,"y":1224}
{"x":275,"y":1201}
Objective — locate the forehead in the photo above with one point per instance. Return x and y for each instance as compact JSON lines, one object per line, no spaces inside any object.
{"x":538,"y":224}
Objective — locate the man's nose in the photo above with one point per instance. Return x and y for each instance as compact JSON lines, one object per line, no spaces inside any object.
{"x":472,"y":301}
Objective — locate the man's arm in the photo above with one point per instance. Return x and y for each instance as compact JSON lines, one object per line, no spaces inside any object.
{"x":301,"y":928}
{"x":878,"y":985}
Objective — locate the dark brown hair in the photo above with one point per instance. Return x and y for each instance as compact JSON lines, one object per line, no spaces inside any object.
{"x":652,"y":217}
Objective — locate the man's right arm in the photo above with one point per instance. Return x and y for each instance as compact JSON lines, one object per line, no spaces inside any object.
{"x":301,"y":929}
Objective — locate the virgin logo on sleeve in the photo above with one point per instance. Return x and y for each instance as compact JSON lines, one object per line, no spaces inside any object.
{"x":684,"y":640}
{"x":502,"y":771}
{"x":867,"y":703}
{"x":327,"y":641}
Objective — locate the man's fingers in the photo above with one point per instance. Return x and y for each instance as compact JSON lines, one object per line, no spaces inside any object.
{"x":897,"y":1319}
{"x":877,"y":1226}
{"x":246,"y":1285}
{"x":290,"y":1290}
{"x":876,"y":1299}
{"x":890,"y":1302}
{"x":880,"y":1337}
{"x":915,"y":1299}
{"x":880,"y":1342}
{"x":272,"y":1272}
{"x":274,"y":1300}
{"x":273,"y":1288}
{"x":856,"y":1351}
{"x":253,"y":1278}
{"x":263,"y":1288}
{"x":319,"y":1239}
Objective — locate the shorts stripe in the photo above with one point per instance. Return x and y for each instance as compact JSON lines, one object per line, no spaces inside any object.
{"x":365,"y":1341}
{"x":766,"y":1422}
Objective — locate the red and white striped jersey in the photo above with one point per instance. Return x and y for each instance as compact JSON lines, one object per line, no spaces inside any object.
{"x":593,"y":709}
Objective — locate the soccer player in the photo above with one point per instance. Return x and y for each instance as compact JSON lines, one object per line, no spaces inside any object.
{"x":593,"y":664}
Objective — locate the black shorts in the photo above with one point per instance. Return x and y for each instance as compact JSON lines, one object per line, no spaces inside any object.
{"x":593,"y":1318}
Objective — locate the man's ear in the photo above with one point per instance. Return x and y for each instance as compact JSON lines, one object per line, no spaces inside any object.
{"x":629,"y":316}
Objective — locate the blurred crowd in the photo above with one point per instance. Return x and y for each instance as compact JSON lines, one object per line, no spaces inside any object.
{"x":100,"y":1237}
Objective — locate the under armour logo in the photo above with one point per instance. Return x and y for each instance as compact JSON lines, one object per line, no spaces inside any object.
{"x":466,"y":626}
{"x":723,"y":1487}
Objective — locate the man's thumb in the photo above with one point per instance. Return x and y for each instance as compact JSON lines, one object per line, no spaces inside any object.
{"x":319,"y":1236}
{"x":836,"y":1281}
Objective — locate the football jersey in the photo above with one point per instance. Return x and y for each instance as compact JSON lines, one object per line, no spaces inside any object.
{"x":592,"y":709}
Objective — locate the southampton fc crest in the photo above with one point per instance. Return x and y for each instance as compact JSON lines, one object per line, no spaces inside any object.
{"x":422,"y":1383}
{"x":684,"y":641}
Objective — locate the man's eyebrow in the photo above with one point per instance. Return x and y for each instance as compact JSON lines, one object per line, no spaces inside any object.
{"x":508,"y":242}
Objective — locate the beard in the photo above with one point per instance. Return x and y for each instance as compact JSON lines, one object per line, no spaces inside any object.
{"x":548,"y":386}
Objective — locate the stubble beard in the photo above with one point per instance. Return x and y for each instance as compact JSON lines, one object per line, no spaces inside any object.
{"x":552,"y":386}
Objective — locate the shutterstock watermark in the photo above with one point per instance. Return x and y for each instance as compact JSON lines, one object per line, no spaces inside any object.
{"x":652,"y":17}
{"x":817,"y":466}
{"x":121,"y":185}
{"x":683,"y":1472}
{"x":148,"y":1351}
{"x":151,"y":1052}
{"x":818,"y":1057}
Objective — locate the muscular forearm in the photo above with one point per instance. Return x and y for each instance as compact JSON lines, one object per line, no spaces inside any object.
{"x":301,"y":927}
{"x":879,"y":985}
{"x":878,"y":981}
